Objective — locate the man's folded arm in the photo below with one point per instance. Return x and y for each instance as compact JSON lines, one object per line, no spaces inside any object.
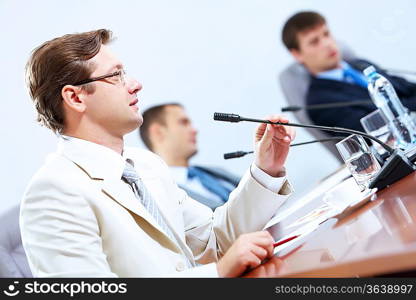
{"x":250,"y":206}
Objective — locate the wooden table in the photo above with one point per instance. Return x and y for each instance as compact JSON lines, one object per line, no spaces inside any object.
{"x":377,"y":238}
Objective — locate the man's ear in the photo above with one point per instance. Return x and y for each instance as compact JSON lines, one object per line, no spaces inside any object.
{"x":297,"y":55}
{"x":74,"y":97}
{"x":157,"y":132}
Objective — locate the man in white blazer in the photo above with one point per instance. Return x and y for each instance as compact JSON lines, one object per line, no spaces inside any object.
{"x":79,"y":218}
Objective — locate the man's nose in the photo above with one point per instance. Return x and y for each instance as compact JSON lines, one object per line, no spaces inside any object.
{"x":134,"y":86}
{"x":328,"y":42}
{"x":194,"y":130}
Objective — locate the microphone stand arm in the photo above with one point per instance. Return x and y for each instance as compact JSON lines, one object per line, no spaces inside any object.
{"x":325,"y":128}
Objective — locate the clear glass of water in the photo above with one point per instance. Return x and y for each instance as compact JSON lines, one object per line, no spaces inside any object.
{"x":359,"y":159}
{"x":376,"y":124}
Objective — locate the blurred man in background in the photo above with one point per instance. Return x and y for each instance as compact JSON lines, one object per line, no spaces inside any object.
{"x":307,"y":36}
{"x":168,"y":131}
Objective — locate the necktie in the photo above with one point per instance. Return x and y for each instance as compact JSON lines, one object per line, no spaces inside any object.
{"x":131,"y":177}
{"x":354,"y":76}
{"x":209,"y":182}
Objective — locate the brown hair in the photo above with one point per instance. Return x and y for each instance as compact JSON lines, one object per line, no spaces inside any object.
{"x":155,"y":114}
{"x":56,"y":63}
{"x":299,"y":22}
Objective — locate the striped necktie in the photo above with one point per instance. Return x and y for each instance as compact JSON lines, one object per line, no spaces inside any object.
{"x":131,"y":177}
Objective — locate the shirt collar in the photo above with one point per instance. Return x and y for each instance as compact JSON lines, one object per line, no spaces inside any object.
{"x":334,"y":74}
{"x":98,"y":161}
{"x":180,"y":174}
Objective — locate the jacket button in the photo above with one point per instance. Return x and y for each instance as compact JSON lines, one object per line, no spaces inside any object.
{"x":180,"y":266}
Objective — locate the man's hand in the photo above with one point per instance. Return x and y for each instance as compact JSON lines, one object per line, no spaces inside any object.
{"x":247,"y":252}
{"x":272,"y":144}
{"x":272,"y":268}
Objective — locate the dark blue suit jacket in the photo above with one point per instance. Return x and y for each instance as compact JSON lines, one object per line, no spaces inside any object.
{"x":332,"y":91}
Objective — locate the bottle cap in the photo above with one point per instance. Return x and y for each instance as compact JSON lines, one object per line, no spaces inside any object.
{"x":369,"y":70}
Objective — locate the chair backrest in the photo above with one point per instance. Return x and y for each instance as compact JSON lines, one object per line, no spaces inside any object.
{"x":13,"y":261}
{"x":294,"y":81}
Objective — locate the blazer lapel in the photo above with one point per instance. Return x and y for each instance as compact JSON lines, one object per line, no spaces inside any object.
{"x":108,"y":167}
{"x":166,"y":208}
{"x":120,"y":192}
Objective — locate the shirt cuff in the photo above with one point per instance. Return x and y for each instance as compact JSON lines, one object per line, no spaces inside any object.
{"x":273,"y":184}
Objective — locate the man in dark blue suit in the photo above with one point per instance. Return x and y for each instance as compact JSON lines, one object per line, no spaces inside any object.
{"x":334,"y":80}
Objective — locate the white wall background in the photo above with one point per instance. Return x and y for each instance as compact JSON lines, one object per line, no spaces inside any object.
{"x":216,"y":55}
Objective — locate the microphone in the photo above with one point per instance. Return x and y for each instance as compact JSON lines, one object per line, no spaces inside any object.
{"x":236,"y":118}
{"x":395,"y":168}
{"x":238,"y":154}
{"x":295,"y":108}
{"x":227,"y":117}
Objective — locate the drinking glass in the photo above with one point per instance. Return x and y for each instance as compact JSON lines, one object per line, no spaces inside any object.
{"x":359,"y":159}
{"x":376,"y":125}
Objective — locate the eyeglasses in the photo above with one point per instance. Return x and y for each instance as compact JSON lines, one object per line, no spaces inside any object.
{"x":121,"y":78}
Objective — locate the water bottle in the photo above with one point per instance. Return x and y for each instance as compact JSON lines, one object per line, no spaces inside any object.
{"x":385,"y":98}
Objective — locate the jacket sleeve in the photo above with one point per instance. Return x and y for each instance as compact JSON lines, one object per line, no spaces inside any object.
{"x":406,"y":91}
{"x":250,"y":206}
{"x":60,"y":233}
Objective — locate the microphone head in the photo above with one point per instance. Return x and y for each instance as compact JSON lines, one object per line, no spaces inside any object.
{"x":234,"y":154}
{"x":226,"y":117}
{"x":291,"y":108}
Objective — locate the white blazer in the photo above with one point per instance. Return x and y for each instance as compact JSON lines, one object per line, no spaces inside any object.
{"x":79,"y":219}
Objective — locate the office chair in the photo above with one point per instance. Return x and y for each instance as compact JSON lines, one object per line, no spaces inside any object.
{"x":13,"y":261}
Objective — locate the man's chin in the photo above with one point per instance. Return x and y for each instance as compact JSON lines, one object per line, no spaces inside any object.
{"x":335,"y":61}
{"x":139,"y":121}
{"x":193,"y":153}
{"x":333,"y":64}
{"x":134,"y":124}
